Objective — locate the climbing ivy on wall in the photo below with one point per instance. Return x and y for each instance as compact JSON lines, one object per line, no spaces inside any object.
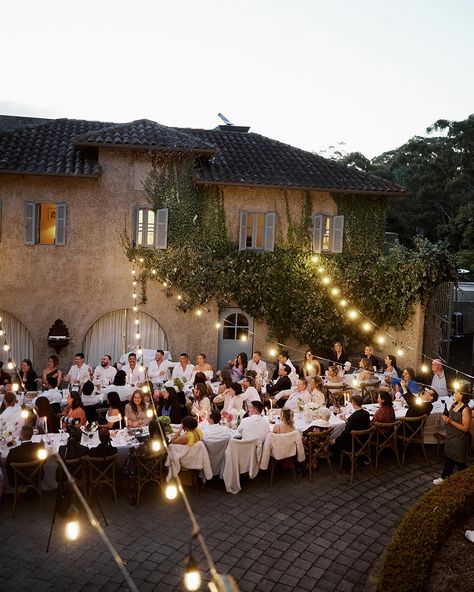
{"x":282,"y":287}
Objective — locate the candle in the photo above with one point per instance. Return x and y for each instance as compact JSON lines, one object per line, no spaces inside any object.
{"x":126,"y":422}
{"x":45,"y":425}
{"x":271,"y":403}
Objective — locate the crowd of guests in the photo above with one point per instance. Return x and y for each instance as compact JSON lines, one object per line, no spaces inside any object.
{"x":182,"y":392}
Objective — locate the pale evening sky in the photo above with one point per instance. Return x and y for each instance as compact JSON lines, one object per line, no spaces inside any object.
{"x":370,"y":73}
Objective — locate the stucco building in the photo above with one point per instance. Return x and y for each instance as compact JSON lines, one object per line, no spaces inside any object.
{"x":68,"y":190}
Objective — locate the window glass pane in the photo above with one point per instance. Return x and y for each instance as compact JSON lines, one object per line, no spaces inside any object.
{"x":326,"y":233}
{"x":151,"y":228}
{"x":248,"y":243}
{"x":242,"y":320}
{"x":140,"y":227}
{"x":47,"y":223}
{"x":259,"y":231}
{"x":230,"y":331}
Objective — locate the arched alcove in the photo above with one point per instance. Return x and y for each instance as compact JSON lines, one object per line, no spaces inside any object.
{"x":18,"y":338}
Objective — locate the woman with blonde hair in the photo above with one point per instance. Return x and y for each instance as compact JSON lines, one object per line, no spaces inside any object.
{"x":286,"y":424}
{"x":319,"y":393}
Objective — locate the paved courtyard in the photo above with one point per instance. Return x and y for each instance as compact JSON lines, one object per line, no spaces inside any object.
{"x":325,"y":535}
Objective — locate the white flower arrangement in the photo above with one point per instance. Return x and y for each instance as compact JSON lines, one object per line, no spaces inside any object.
{"x":310,"y":410}
{"x":7,"y":437}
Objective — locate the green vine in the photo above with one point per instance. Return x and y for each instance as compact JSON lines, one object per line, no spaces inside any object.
{"x":283,"y":287}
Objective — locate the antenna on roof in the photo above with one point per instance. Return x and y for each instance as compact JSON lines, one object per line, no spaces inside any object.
{"x":224,"y":119}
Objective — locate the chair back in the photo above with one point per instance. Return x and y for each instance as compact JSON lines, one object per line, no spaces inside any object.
{"x":282,"y":445}
{"x":361,"y":440}
{"x":413,"y":428}
{"x":319,"y":442}
{"x":386,"y":431}
{"x":244,"y":451}
{"x":28,"y":473}
{"x":101,"y":470}
{"x":370,"y":392}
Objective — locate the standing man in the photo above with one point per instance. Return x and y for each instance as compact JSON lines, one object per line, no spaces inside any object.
{"x":79,"y":373}
{"x":439,"y":379}
{"x":105,"y":373}
{"x":184,"y":369}
{"x":132,"y":371}
{"x":159,"y":368}
{"x":257,"y":364}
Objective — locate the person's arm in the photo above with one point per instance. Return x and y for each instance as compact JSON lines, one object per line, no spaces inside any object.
{"x":178,"y":439}
{"x":407,"y":394}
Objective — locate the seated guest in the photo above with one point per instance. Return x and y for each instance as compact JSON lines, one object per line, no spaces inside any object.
{"x":105,"y":373}
{"x":115,"y":414}
{"x":439,"y":379}
{"x":286,"y":424}
{"x":133,"y":372}
{"x":257,"y":364}
{"x":11,"y":418}
{"x":169,"y":405}
{"x":322,"y":420}
{"x":88,"y":395}
{"x":201,"y":378}
{"x":79,"y":373}
{"x":28,"y":376}
{"x":75,"y":408}
{"x":366,"y":372}
{"x":225,"y":380}
{"x":282,"y":384}
{"x":238,"y":367}
{"x":135,"y":411}
{"x":358,"y":420}
{"x":408,"y":375}
{"x":214,"y":431}
{"x":105,"y":447}
{"x":254,"y":426}
{"x":119,"y":386}
{"x":53,"y":394}
{"x":183,"y":369}
{"x":52,"y":371}
{"x":369,"y":354}
{"x":385,"y":412}
{"x":334,"y":380}
{"x":230,"y":398}
{"x":48,"y":422}
{"x":249,"y":392}
{"x":192,"y":433}
{"x":201,"y":406}
{"x":390,"y":368}
{"x":201,"y":365}
{"x":284,"y":358}
{"x":311,"y":366}
{"x":299,"y":394}
{"x":421,"y":404}
{"x":26,"y":452}
{"x":319,"y":393}
{"x":73,"y":448}
{"x":338,"y":356}
{"x":159,"y":368}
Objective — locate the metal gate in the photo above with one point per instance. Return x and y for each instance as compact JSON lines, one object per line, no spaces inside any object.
{"x":438,"y":326}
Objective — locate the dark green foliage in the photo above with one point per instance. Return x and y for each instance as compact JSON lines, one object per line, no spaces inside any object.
{"x":409,"y":555}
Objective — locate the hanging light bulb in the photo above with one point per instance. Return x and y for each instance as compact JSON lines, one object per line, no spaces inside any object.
{"x":25,"y":413}
{"x":192,"y":575}
{"x":380,"y":339}
{"x":179,"y":297}
{"x":418,"y":400}
{"x":335,"y":291}
{"x":135,"y":308}
{"x":199,"y":312}
{"x":10,"y":364}
{"x":149,"y":413}
{"x":456,"y":385}
{"x":15,"y":387}
{"x":134,"y":296}
{"x":171,"y":491}
{"x":141,"y":260}
{"x":424,"y":368}
{"x":141,"y":369}
{"x":1,"y":332}
{"x":400,"y":352}
{"x":352,"y":314}
{"x":314,"y":258}
{"x":134,"y":283}
{"x":326,"y":280}
{"x":156,"y":445}
{"x":165,"y":284}
{"x":272,"y":352}
{"x":321,"y":269}
{"x":343,"y":303}
{"x":42,"y":453}
{"x":137,"y":321}
{"x":366,"y":326}
{"x":137,"y":335}
{"x":139,"y":351}
{"x":218,"y":325}
{"x":6,"y":347}
{"x":72,"y":530}
{"x":153,"y":272}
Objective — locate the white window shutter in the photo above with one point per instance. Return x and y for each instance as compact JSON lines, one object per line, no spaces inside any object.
{"x":30,"y":223}
{"x":337,"y":234}
{"x":269,"y":240}
{"x":135,"y":225}
{"x":161,"y":228}
{"x":318,"y":221}
{"x":60,"y":224}
{"x":243,"y":232}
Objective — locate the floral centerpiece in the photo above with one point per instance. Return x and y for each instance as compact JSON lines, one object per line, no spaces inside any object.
{"x":90,"y":428}
{"x":165,"y":424}
{"x":7,"y":438}
{"x":310,"y":410}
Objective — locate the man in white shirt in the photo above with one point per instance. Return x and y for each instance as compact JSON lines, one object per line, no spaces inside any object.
{"x":439,"y":379}
{"x":80,"y":372}
{"x":159,"y":368}
{"x":300,"y":392}
{"x":53,"y":394}
{"x":134,"y":373}
{"x":184,"y":369}
{"x":257,"y":364}
{"x":254,"y":426}
{"x":214,"y":431}
{"x":11,"y":419}
{"x":105,"y":373}
{"x":249,"y":393}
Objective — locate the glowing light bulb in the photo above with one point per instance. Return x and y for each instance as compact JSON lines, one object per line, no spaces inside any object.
{"x":72,"y":530}
{"x":314,"y":258}
{"x":400,"y":353}
{"x":149,"y":413}
{"x":24,"y":413}
{"x":419,"y":400}
{"x":380,"y":339}
{"x":137,"y":335}
{"x":141,"y":259}
{"x":171,"y":491}
{"x":218,"y":325}
{"x":179,"y":297}
{"x":134,"y":283}
{"x":192,"y":576}
{"x":424,"y":368}
{"x":1,"y":332}
{"x":321,"y":269}
{"x":153,"y":272}
{"x":42,"y":454}
{"x":272,"y":352}
{"x":335,"y":291}
{"x":156,"y":446}
{"x":134,"y":296}
{"x":141,"y":369}
{"x":165,"y":284}
{"x":15,"y":387}
{"x":139,"y":351}
{"x":10,"y":365}
{"x":352,"y":314}
{"x":6,"y":347}
{"x":135,"y":308}
{"x":199,"y":312}
{"x":326,"y":280}
{"x":456,"y":385}
{"x":137,"y":321}
{"x":366,"y":326}
{"x":243,"y":337}
{"x":343,"y":303}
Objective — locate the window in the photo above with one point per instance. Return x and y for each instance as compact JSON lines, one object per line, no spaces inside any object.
{"x":45,"y":223}
{"x":151,"y":228}
{"x":257,"y":231}
{"x":328,"y":232}
{"x":235,"y":327}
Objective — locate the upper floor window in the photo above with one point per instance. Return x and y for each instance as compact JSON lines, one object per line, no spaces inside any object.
{"x":328,"y":232}
{"x":45,"y":223}
{"x":257,"y":231}
{"x":150,"y":227}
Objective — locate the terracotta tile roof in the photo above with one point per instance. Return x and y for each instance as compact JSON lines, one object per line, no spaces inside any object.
{"x":70,"y":147}
{"x":252,"y":159}
{"x":145,"y":134}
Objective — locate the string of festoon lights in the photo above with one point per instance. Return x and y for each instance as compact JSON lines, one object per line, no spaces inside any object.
{"x":11,"y":364}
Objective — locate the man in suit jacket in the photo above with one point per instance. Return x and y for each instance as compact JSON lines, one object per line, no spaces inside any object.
{"x":359,"y":420}
{"x":421,"y":404}
{"x":282,"y":384}
{"x":26,"y":452}
{"x":73,"y":449}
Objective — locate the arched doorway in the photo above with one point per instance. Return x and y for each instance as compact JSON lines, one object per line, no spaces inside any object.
{"x":235,"y":335}
{"x":114,"y":334}
{"x":18,"y":338}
